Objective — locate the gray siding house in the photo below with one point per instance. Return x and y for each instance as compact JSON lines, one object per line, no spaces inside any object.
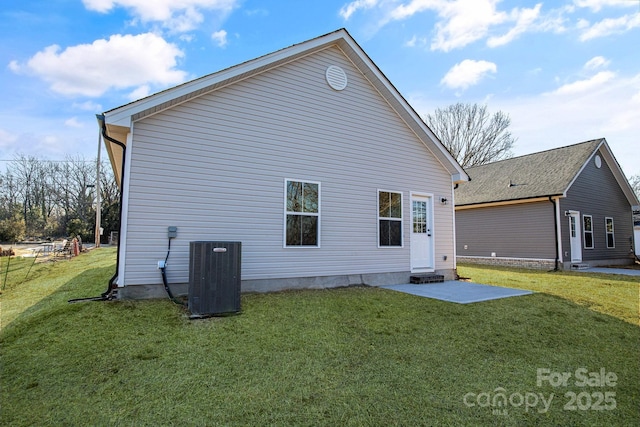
{"x":569,"y":207}
{"x":308,"y":156}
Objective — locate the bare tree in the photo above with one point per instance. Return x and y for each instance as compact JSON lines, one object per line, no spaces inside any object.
{"x":471,"y":134}
{"x":635,"y":184}
{"x":109,"y":200}
{"x":31,"y":179}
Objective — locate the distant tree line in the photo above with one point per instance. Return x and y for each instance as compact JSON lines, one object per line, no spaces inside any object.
{"x":43,"y":199}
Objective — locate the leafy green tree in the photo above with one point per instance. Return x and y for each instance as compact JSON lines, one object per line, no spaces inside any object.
{"x":12,"y":229}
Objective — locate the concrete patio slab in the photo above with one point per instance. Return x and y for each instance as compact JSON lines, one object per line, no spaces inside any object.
{"x":606,"y":270}
{"x":458,"y":292}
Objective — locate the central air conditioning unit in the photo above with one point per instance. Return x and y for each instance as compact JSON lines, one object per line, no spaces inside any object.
{"x":214,"y":278}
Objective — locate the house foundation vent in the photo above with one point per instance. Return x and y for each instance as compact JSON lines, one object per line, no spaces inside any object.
{"x":336,"y":77}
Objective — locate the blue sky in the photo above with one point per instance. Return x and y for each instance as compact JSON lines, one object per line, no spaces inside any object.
{"x":566,"y":71}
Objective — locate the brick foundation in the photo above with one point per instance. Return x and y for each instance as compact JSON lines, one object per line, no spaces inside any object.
{"x":534,"y":264}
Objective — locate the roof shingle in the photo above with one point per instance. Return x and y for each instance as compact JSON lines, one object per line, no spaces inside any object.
{"x":543,"y":174}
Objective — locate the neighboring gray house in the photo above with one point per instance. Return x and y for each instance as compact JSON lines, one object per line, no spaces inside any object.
{"x":308,"y":156}
{"x":566,"y":207}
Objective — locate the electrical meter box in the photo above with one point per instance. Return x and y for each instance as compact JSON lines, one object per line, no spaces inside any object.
{"x":214,"y":277}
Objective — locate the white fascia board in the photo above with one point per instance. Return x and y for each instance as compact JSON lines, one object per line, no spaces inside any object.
{"x":122,"y":116}
{"x":422,"y":131}
{"x":615,"y":168}
{"x":459,"y":178}
{"x":508,"y":202}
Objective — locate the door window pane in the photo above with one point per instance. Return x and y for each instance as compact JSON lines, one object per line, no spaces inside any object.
{"x":419,"y":216}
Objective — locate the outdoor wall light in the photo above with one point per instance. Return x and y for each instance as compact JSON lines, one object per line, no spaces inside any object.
{"x":443,"y":200}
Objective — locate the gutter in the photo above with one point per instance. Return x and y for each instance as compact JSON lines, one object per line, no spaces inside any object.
{"x":108,"y":294}
{"x":555,"y":231}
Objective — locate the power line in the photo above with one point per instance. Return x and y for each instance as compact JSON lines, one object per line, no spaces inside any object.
{"x":51,"y":161}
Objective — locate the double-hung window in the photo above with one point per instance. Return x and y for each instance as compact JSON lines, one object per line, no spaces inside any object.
{"x":608,"y":224}
{"x":302,"y":218}
{"x":587,"y":227}
{"x":389,"y":218}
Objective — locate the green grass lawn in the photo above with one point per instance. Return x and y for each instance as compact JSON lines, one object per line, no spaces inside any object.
{"x":616,"y":295}
{"x":350,"y":356}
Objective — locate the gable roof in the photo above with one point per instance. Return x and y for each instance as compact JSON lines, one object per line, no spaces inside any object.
{"x":539,"y":175}
{"x":118,"y":121}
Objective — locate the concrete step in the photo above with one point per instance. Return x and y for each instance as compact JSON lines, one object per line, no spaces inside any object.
{"x":579,"y":266}
{"x":426,"y":278}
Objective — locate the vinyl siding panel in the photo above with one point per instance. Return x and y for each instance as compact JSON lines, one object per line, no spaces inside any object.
{"x":596,"y":192}
{"x":215,"y":168}
{"x":523,"y":230}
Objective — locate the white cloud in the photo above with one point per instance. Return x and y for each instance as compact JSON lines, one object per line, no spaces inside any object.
{"x":140,"y":92}
{"x":582,"y":24}
{"x":186,"y":21}
{"x":118,"y":63}
{"x":585,"y":85}
{"x":570,"y":117}
{"x":15,"y":67}
{"x":257,"y":12}
{"x":461,"y":22}
{"x":73,"y":123}
{"x":350,"y":8}
{"x":177,"y":15}
{"x":549,"y":120}
{"x":7,"y":138}
{"x":524,"y":19}
{"x":468,"y":73}
{"x":596,"y":5}
{"x":465,"y":21}
{"x":51,"y":140}
{"x":611,"y":26}
{"x":596,"y":62}
{"x":220,"y":37}
{"x":414,"y":6}
{"x":47,"y":136}
{"x":416,"y":41}
{"x":87,"y":106}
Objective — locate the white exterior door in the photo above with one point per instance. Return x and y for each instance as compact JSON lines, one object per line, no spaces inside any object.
{"x":575,"y":236}
{"x":421,"y":233}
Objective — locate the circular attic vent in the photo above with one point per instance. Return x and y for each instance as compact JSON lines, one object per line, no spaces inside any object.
{"x":336,"y":77}
{"x":598,"y":161}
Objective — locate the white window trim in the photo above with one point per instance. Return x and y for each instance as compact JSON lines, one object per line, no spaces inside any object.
{"x":584,"y":233}
{"x":378,"y":218}
{"x":613,"y":232}
{"x":318,"y":214}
